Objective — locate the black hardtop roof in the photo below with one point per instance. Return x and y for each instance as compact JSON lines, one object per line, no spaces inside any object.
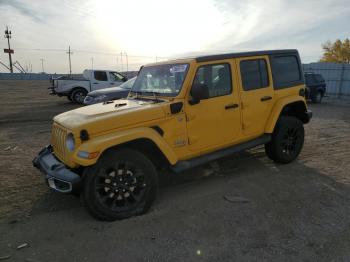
{"x":245,"y":54}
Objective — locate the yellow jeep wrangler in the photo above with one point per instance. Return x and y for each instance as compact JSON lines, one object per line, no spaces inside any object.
{"x":179,"y":114}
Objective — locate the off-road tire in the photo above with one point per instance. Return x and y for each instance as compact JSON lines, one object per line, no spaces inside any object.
{"x":287,"y":140}
{"x":78,"y":95}
{"x":317,"y":98}
{"x":111,"y":208}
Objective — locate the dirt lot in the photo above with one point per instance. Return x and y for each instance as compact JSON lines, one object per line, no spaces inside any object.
{"x":241,"y":208}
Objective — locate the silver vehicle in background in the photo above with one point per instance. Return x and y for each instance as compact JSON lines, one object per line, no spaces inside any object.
{"x":108,"y":94}
{"x":75,"y":89}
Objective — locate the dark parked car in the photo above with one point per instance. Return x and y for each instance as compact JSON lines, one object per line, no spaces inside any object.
{"x":110,"y":93}
{"x":315,"y":87}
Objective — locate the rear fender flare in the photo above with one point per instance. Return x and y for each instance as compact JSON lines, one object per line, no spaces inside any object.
{"x":277,"y":110}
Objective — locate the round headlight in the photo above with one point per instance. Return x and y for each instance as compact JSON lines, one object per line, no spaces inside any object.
{"x":70,"y":142}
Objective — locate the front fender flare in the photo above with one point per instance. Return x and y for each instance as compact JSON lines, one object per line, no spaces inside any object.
{"x":103,"y":142}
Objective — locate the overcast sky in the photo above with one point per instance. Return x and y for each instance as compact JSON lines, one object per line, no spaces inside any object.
{"x":151,"y":30}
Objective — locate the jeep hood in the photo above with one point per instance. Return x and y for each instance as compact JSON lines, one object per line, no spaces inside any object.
{"x":112,"y":115}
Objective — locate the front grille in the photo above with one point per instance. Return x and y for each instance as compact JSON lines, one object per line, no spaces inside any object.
{"x":58,"y":141}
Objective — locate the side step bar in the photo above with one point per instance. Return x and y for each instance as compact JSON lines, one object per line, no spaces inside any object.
{"x":187,"y":164}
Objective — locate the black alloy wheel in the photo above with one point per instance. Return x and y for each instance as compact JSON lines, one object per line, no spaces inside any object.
{"x":123,"y":183}
{"x":120,"y":188}
{"x":287,"y":140}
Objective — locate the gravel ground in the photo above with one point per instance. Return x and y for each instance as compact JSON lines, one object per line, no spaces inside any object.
{"x":241,"y":208}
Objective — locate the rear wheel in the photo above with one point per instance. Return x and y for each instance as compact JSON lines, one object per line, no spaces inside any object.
{"x":78,"y":95}
{"x":122,"y":184}
{"x":287,"y":140}
{"x":317,"y":98}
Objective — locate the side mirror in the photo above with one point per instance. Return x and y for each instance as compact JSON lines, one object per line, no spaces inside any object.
{"x":198,"y":93}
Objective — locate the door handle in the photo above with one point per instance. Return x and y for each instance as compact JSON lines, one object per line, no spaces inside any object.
{"x":265,"y":98}
{"x":231,"y":106}
{"x":112,"y":83}
{"x":95,"y":83}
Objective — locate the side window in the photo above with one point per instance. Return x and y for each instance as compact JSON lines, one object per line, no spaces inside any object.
{"x":309,"y":79}
{"x":319,"y":78}
{"x":114,"y":76}
{"x":100,"y":75}
{"x":254,"y":74}
{"x":286,"y":71}
{"x":216,"y":77}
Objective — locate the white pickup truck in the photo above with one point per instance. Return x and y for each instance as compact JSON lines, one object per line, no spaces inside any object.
{"x":75,"y":89}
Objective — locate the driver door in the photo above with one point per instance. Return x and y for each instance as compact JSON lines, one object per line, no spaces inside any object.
{"x":216,"y":120}
{"x":115,"y":79}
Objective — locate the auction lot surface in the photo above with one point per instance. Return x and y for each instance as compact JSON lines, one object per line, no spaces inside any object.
{"x":241,"y":208}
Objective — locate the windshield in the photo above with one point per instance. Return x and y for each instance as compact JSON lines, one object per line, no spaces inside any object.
{"x":128,"y":84}
{"x":163,"y":80}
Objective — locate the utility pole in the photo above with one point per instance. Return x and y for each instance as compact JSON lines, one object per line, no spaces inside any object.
{"x":92,"y":63}
{"x":42,"y":64}
{"x":70,"y":63}
{"x":9,"y":50}
{"x":127,"y":62}
{"x":121,"y":58}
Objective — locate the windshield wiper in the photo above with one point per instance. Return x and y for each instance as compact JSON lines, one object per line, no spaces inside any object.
{"x":154,"y":94}
{"x":137,"y":93}
{"x":146,"y":93}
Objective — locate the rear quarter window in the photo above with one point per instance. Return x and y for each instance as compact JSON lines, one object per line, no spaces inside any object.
{"x":319,"y":78}
{"x":286,"y":71}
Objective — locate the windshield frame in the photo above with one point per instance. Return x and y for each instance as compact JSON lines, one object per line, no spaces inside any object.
{"x":122,"y":86}
{"x":158,"y":94}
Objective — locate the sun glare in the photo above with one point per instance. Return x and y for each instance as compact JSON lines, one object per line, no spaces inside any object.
{"x":159,"y":27}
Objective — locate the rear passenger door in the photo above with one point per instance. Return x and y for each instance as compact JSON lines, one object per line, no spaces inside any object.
{"x":257,"y":95}
{"x":100,"y":80}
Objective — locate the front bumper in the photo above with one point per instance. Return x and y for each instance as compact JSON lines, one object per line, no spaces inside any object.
{"x":57,"y":175}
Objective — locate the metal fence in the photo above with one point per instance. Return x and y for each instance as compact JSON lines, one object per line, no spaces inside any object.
{"x":337,"y":76}
{"x":33,"y":76}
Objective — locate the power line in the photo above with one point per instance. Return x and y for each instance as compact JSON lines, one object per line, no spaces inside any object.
{"x":88,"y":51}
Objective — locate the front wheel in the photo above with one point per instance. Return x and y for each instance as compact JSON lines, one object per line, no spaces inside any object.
{"x":287,"y":140}
{"x":122,"y":184}
{"x":317,"y":98}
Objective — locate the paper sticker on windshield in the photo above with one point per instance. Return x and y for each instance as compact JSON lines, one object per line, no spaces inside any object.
{"x":178,"y":69}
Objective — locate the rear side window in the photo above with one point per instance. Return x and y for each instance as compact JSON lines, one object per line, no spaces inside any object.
{"x":309,"y":80}
{"x":254,"y":74}
{"x":286,"y":71}
{"x":216,"y":77}
{"x":100,"y":75}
